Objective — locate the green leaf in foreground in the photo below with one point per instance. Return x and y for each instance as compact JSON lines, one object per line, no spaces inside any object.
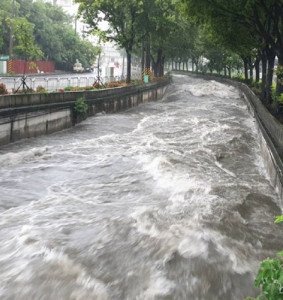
{"x":278,"y":219}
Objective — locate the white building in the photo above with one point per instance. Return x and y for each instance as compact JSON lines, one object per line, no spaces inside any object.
{"x":112,"y":62}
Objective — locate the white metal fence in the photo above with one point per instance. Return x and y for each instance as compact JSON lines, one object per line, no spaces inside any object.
{"x":53,"y":83}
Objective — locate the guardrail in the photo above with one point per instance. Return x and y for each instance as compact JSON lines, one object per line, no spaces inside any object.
{"x":53,"y":83}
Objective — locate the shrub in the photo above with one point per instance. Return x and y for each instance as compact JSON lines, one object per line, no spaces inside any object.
{"x":242,"y":79}
{"x":273,"y":91}
{"x":87,"y":88}
{"x":41,"y":89}
{"x":279,"y":72}
{"x":80,"y":106}
{"x":137,"y":82}
{"x":270,"y":276}
{"x":3,"y":89}
{"x":23,"y":91}
{"x":67,"y":88}
{"x":115,"y":84}
{"x":257,"y":84}
{"x":256,"y":90}
{"x":96,"y":85}
{"x":280,"y":98}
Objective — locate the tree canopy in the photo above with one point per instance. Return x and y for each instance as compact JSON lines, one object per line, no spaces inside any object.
{"x":125,"y":19}
{"x":248,"y":28}
{"x":51,"y":31}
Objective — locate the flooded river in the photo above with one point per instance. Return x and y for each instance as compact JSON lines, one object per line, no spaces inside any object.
{"x":169,"y":200}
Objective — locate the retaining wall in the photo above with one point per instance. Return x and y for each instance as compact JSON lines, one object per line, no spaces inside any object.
{"x":24,"y":116}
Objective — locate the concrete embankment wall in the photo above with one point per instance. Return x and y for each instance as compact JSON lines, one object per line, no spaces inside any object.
{"x":270,"y":132}
{"x":31,"y":115}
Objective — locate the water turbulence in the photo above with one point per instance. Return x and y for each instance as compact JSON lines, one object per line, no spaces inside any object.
{"x":169,"y":200}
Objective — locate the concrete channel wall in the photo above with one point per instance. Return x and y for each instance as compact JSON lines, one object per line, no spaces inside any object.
{"x":31,"y":115}
{"x":269,"y":128}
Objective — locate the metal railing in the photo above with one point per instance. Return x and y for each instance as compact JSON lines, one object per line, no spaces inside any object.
{"x":53,"y":83}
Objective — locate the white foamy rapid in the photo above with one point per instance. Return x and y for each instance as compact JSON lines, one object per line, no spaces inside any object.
{"x":212,"y":88}
{"x":169,"y":200}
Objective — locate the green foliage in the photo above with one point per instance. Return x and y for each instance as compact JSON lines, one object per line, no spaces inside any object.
{"x":42,"y":30}
{"x":256,"y":87}
{"x":125,"y":18}
{"x":80,"y":106}
{"x":23,"y":91}
{"x":279,"y":72}
{"x":40,"y":89}
{"x":270,"y":276}
{"x":278,"y":219}
{"x":273,"y":91}
{"x":23,"y":33}
{"x":280,"y":98}
{"x":68,"y":89}
{"x":242,"y":79}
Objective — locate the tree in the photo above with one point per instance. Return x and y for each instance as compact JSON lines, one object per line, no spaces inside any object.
{"x":161,"y":24}
{"x":23,"y":33}
{"x":5,"y":11}
{"x":124,"y":18}
{"x":259,"y":19}
{"x":52,"y":30}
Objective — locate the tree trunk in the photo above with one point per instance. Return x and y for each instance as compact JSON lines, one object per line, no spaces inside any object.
{"x":162,"y":66}
{"x":251,"y":68}
{"x":147,"y":56}
{"x":142,"y":59}
{"x":230,"y":71}
{"x":197,"y":64}
{"x":129,"y":62}
{"x":154,"y":66}
{"x":159,"y":63}
{"x":279,"y":83}
{"x":270,"y":71}
{"x":257,"y":61}
{"x":246,"y":68}
{"x":264,"y":72}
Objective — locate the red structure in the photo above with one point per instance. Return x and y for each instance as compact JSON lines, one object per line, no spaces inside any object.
{"x":29,"y":67}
